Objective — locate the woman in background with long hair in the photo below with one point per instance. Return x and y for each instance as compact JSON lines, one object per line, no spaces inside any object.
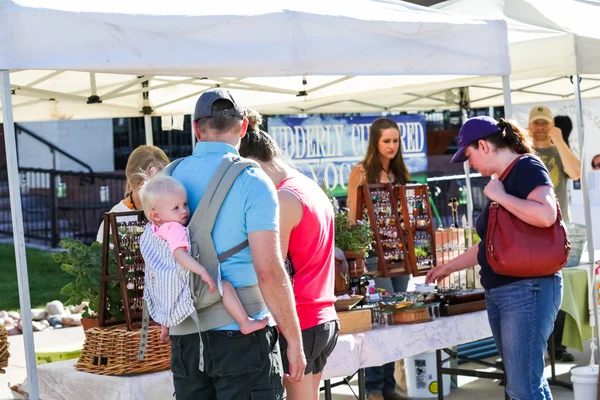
{"x":383,"y":163}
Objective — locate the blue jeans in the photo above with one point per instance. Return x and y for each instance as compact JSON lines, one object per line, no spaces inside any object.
{"x":521,"y":316}
{"x":381,"y":379}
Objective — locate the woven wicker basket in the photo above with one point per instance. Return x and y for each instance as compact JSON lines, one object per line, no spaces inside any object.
{"x":415,"y":315}
{"x":114,"y":351}
{"x":4,"y":354}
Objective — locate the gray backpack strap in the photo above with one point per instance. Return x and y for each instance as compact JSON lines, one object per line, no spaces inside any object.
{"x":235,"y":249}
{"x":206,"y":213}
{"x":171,"y":167}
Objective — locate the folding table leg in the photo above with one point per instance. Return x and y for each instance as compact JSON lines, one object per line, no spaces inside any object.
{"x":361,"y":385}
{"x":328,"y":390}
{"x":440,"y":377}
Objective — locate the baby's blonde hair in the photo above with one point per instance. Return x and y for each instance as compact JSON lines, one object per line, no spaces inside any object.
{"x":154,"y":188}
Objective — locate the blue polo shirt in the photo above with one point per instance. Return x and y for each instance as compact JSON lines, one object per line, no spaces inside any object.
{"x":251,"y":205}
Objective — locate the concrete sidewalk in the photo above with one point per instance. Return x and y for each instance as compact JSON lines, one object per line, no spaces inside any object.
{"x":64,"y":339}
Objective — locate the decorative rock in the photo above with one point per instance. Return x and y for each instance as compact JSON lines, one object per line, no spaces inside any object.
{"x":8,"y":321}
{"x":1,"y":321}
{"x":79,"y":309}
{"x":13,"y":332}
{"x":38,"y":314}
{"x":3,"y":314}
{"x":37,"y":326}
{"x":71,"y":320}
{"x":45,"y":322}
{"x":53,"y":321}
{"x":14,"y":315}
{"x":55,"y":307}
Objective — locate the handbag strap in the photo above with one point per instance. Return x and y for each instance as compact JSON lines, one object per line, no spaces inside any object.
{"x":509,"y":168}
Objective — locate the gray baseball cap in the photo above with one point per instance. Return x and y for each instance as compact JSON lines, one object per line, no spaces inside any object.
{"x":207,"y":99}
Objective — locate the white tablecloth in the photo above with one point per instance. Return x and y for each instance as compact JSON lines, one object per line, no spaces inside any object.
{"x":61,"y":381}
{"x":383,"y":344}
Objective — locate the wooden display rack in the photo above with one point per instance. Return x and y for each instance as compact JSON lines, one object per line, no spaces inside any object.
{"x":388,"y":209}
{"x":416,"y":208}
{"x":130,"y":268}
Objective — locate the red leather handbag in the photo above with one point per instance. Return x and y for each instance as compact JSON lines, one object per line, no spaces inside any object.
{"x":516,"y":248}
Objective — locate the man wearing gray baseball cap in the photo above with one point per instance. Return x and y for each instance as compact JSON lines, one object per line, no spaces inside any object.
{"x":236,"y":366}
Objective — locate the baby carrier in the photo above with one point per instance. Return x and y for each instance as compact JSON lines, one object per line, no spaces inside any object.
{"x":205,"y":308}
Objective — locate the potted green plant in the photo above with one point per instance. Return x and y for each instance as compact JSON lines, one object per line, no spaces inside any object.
{"x":84,"y":263}
{"x":354,"y":239}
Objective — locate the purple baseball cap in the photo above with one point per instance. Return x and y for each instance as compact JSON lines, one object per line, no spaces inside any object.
{"x":471,"y":131}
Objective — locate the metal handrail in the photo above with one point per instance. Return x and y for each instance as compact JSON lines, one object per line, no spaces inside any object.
{"x":53,"y":148}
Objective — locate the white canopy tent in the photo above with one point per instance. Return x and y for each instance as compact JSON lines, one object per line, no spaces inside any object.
{"x":271,"y":52}
{"x":76,"y":59}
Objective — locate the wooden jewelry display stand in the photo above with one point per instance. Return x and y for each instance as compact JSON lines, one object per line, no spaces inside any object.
{"x":400,"y":217}
{"x":130,"y":267}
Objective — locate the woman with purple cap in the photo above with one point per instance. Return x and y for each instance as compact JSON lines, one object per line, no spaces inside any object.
{"x":521,"y":311}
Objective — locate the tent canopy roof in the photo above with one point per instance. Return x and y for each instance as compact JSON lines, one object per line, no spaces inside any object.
{"x":277,"y":51}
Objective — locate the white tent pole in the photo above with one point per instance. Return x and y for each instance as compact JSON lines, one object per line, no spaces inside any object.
{"x":508,"y":111}
{"x":192,"y":132}
{"x":18,"y":233}
{"x":147,"y":111}
{"x":464,"y":105}
{"x":148,"y":129}
{"x":586,"y":202}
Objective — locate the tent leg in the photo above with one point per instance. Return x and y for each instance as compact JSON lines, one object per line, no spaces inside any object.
{"x":508,"y":111}
{"x":586,"y":201}
{"x":467,"y":169}
{"x":18,"y":233}
{"x":148,"y":130}
{"x":192,"y":132}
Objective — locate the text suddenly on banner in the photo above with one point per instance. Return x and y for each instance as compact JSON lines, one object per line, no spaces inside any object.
{"x":327,"y":148}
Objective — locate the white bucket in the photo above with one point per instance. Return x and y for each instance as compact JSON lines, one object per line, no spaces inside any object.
{"x":421,"y":376}
{"x":585,"y":382}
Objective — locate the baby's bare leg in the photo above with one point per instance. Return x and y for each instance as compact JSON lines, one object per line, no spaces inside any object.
{"x":233,"y":305}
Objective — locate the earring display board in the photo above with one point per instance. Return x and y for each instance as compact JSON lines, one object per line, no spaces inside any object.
{"x":129,"y":268}
{"x":391,"y":243}
{"x":415,"y":208}
{"x":402,"y":247}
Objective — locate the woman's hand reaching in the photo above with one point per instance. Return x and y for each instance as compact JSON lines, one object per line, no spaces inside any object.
{"x":438,"y":273}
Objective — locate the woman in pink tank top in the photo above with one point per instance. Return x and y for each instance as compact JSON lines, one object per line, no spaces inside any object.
{"x":307,"y":242}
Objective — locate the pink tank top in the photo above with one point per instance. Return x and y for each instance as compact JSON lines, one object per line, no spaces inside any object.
{"x":311,"y":252}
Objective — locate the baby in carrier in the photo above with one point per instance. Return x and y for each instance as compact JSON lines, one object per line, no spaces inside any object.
{"x":167,"y":293}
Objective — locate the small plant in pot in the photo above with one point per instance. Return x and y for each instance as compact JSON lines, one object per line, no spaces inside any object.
{"x":84,"y":263}
{"x":354,"y":239}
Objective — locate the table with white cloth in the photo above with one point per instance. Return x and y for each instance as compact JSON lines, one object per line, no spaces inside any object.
{"x":386,"y":344}
{"x":353,"y":352}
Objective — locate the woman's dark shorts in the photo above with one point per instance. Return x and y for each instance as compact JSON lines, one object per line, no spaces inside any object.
{"x":319,"y":341}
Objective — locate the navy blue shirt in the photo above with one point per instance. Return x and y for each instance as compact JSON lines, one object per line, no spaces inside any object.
{"x":527,"y":174}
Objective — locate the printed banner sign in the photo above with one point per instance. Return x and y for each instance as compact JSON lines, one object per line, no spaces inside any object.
{"x":327,"y":148}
